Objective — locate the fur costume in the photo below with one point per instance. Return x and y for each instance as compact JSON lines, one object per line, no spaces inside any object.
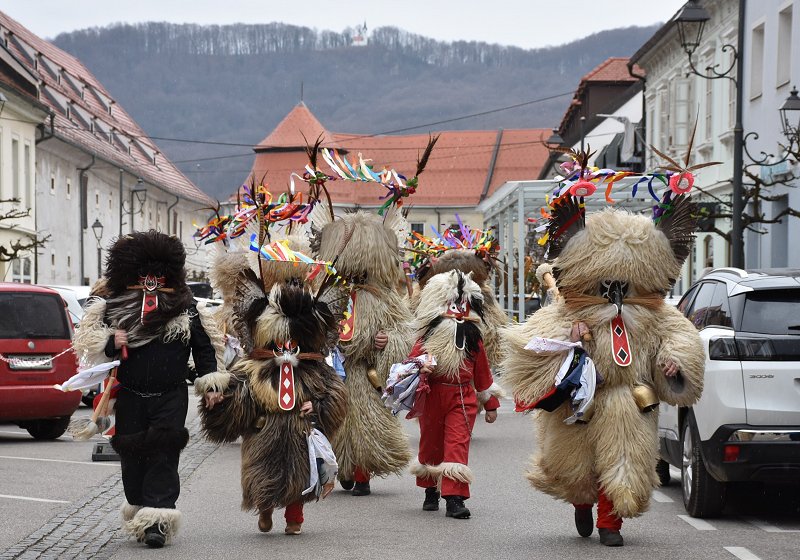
{"x":613,"y":456}
{"x":449,"y":316}
{"x":480,"y":268}
{"x":364,"y":249}
{"x":289,"y":324}
{"x":147,"y":297}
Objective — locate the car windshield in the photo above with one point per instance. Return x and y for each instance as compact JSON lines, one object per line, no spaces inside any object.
{"x":32,"y":315}
{"x":772,"y":312}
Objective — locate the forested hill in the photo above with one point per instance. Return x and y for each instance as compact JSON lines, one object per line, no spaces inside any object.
{"x":234,"y":83}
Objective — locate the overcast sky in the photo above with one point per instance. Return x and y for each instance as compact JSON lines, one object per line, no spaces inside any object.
{"x":523,"y":23}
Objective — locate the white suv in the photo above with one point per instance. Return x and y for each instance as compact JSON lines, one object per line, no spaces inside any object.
{"x":746,"y":425}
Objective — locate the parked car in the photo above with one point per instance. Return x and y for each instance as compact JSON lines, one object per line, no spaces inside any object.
{"x":746,"y":425}
{"x":74,"y":297}
{"x":201,"y":290}
{"x":35,"y":354}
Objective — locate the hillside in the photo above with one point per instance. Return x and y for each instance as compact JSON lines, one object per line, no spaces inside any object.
{"x":233,"y":84}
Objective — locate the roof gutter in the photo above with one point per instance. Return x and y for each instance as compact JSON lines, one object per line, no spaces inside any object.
{"x":47,"y":135}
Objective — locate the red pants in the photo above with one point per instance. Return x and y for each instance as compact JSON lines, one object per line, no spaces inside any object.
{"x":605,"y":516}
{"x":294,"y":513}
{"x":360,"y":475}
{"x":445,"y":430}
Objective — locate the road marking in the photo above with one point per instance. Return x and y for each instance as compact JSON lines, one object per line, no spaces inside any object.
{"x":34,"y":499}
{"x":698,"y":524}
{"x":19,"y":433}
{"x":768,"y":527}
{"x":661,"y":497}
{"x":100,"y":463}
{"x":741,"y":553}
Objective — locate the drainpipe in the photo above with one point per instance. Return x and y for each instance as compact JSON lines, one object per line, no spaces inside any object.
{"x":83,"y":203}
{"x":643,"y":137}
{"x":47,"y":135}
{"x":169,"y":219}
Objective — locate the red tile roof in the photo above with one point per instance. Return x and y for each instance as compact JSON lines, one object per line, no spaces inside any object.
{"x":455,"y":176}
{"x":614,"y":69}
{"x":95,"y":122}
{"x":290,"y":131}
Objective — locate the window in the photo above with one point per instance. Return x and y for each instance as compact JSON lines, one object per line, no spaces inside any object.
{"x":97,"y":199}
{"x":69,"y":261}
{"x":69,"y":189}
{"x":15,"y":186}
{"x":52,"y":183}
{"x":685,"y":303}
{"x":708,"y":251}
{"x":28,"y":176}
{"x":418,"y":227}
{"x":52,"y":258}
{"x":757,"y":61}
{"x":21,"y":270}
{"x":30,"y":315}
{"x":681,"y":117}
{"x":699,"y":309}
{"x":718,"y":313}
{"x":771,"y":312}
{"x":784,"y":70}
{"x":663,"y":118}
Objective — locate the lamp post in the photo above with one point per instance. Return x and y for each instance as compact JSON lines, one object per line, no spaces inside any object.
{"x":97,"y":229}
{"x":691,"y":21}
{"x":790,"y":115}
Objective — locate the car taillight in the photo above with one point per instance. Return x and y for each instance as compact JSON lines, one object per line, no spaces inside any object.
{"x":730,"y":453}
{"x":740,"y":348}
{"x":723,"y":348}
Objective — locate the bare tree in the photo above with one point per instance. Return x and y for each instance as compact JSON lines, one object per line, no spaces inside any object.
{"x":21,"y":245}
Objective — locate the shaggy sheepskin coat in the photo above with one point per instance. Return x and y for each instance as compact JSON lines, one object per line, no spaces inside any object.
{"x":365,"y":251}
{"x":494,"y":318}
{"x":617,"y":449}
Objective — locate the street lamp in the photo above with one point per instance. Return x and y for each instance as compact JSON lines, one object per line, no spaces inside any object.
{"x":790,"y":115}
{"x":555,"y":140}
{"x":97,"y":229}
{"x":691,"y":20}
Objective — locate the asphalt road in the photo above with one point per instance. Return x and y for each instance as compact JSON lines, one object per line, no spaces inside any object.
{"x":509,"y":519}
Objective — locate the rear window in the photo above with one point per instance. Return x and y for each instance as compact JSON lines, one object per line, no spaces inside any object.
{"x":772,"y":312}
{"x":30,"y":315}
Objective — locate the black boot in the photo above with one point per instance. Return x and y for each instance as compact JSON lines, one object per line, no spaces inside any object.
{"x":456,"y":507}
{"x":609,"y":537}
{"x":346,"y":484}
{"x":584,"y":522}
{"x":431,"y":502}
{"x":361,"y":489}
{"x":154,"y":537}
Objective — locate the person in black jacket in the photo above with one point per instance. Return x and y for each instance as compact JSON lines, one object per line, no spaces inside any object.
{"x":149,"y":321}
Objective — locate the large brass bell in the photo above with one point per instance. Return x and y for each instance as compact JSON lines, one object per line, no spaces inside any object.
{"x":645,"y":397}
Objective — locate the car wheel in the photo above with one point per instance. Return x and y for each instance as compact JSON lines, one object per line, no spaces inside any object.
{"x":48,"y":429}
{"x":662,"y":470}
{"x":703,"y":495}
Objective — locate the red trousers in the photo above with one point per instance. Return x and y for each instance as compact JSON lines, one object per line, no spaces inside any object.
{"x":360,"y":475}
{"x":294,"y":513}
{"x":605,"y":516}
{"x":445,"y":430}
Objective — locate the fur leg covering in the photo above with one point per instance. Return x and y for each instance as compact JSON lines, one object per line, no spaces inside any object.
{"x":454,"y":471}
{"x":216,"y":381}
{"x":168,"y":520}
{"x":128,"y":511}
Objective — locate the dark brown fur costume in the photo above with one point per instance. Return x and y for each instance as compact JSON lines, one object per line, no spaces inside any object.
{"x":275,"y":464}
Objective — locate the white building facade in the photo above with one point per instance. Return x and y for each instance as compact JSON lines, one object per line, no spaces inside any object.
{"x":772,"y":68}
{"x":675,"y":100}
{"x":96,"y":173}
{"x":19,"y":114}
